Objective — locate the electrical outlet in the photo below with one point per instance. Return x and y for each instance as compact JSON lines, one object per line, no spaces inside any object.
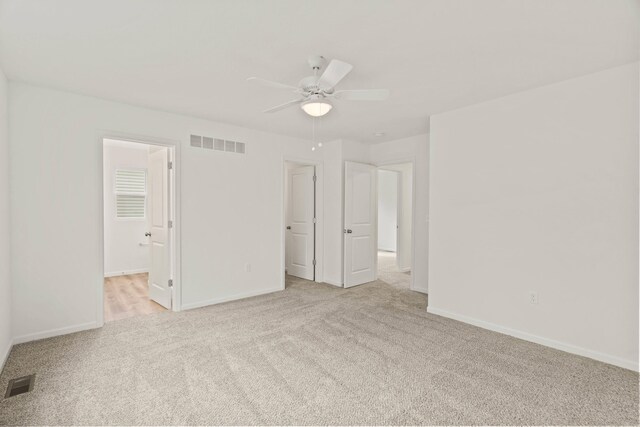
{"x":533,"y":297}
{"x":247,"y":267}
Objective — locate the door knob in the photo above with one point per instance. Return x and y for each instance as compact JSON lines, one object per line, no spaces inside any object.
{"x":288,"y":227}
{"x":147,"y":234}
{"x":347,"y":230}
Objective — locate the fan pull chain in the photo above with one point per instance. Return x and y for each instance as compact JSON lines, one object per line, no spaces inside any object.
{"x":313,"y":133}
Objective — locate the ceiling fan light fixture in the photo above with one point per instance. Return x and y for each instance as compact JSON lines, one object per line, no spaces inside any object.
{"x":317,"y":107}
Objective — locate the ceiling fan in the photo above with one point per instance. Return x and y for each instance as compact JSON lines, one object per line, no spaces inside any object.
{"x":316,"y":92}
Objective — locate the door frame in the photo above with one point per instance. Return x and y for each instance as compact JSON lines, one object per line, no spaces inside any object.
{"x":174,"y":214}
{"x":412,"y":160}
{"x":399,"y":211}
{"x":319,"y":204}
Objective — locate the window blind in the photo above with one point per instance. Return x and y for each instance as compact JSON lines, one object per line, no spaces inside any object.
{"x":131,"y":193}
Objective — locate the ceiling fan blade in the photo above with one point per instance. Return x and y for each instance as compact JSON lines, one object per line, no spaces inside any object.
{"x":272,"y":84}
{"x":362,"y":94}
{"x":336,"y":71}
{"x":283,"y":106}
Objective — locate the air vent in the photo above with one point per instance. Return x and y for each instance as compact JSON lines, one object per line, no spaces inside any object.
{"x":20,"y":385}
{"x":196,"y":141}
{"x":218,"y":144}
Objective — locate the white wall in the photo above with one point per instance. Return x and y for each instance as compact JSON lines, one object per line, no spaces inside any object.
{"x":538,"y":191}
{"x":230,"y":209}
{"x":415,"y":149}
{"x":387,"y":210}
{"x":5,"y":265}
{"x":123,"y":252}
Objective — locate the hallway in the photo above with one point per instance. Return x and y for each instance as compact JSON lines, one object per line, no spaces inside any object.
{"x":388,"y":271}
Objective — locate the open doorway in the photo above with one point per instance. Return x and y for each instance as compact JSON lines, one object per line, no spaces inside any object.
{"x":138,"y":229}
{"x":395,"y":218}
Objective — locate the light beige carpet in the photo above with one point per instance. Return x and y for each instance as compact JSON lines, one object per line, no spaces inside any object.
{"x":388,"y":271}
{"x":312,"y":354}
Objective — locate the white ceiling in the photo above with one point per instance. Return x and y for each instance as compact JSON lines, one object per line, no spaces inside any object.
{"x":193,"y":57}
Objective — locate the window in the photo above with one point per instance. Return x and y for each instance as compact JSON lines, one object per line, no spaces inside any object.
{"x":131,"y":193}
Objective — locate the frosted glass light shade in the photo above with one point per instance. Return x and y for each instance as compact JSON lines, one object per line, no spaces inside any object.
{"x":317,"y":107}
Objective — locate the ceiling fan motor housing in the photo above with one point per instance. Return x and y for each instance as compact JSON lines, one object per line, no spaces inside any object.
{"x":309,"y":85}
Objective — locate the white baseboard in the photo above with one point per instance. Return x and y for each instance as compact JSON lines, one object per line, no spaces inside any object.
{"x":569,"y":348}
{"x":422,"y":290}
{"x":54,"y":332}
{"x":124,"y":273}
{"x":6,"y":355}
{"x":333,"y":283}
{"x":229,"y":298}
{"x":404,"y":269}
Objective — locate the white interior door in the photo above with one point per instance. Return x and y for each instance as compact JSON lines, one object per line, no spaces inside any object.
{"x":300,"y":227}
{"x":360,"y":223}
{"x":160,"y":269}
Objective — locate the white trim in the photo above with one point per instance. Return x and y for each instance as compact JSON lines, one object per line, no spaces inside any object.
{"x":230,"y":298}
{"x":558,"y":345}
{"x":333,"y":283}
{"x":174,"y":182}
{"x":126,"y":272}
{"x":423,"y":290}
{"x":55,"y":332}
{"x":6,"y":354}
